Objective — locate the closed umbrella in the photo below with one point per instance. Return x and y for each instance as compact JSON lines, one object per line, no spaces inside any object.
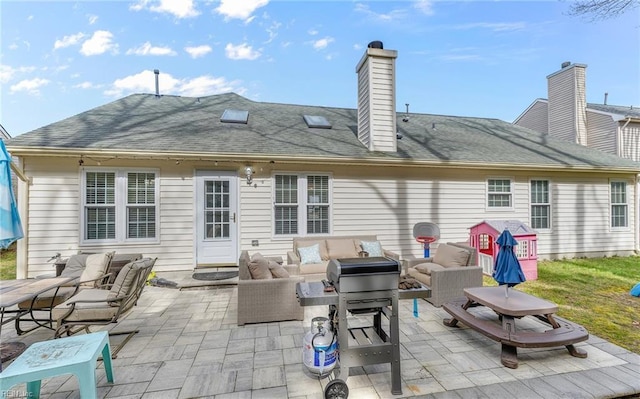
{"x":507,"y":270}
{"x":10,"y":226}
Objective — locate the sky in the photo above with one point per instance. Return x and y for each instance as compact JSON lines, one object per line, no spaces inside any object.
{"x":465,"y":58}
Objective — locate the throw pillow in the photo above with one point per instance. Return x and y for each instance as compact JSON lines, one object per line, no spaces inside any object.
{"x":427,"y":268}
{"x":310,"y":254}
{"x":259,"y":267}
{"x":277,"y":270}
{"x":95,"y":266}
{"x":374,"y":248}
{"x":342,"y":248}
{"x":324,"y":255}
{"x":450,"y":256}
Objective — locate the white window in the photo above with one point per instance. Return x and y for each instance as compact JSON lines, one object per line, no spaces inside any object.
{"x":301,"y":204}
{"x":540,"y":203}
{"x":119,"y":205}
{"x":499,"y":194}
{"x":619,"y":204}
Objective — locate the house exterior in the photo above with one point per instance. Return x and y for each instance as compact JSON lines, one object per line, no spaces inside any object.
{"x":565,"y":114}
{"x":193,"y":181}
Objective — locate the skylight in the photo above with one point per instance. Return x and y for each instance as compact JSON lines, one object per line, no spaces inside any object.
{"x":317,"y":121}
{"x":234,"y":116}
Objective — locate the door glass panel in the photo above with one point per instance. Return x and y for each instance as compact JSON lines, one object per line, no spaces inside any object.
{"x":216,"y":209}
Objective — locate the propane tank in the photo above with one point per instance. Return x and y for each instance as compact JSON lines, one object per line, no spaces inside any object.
{"x":319,"y":348}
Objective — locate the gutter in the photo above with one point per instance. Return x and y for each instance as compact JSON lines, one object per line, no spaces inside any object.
{"x":104,"y":155}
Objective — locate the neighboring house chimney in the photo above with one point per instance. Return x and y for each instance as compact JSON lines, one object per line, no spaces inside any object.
{"x":157,"y":73}
{"x":377,"y":98}
{"x":568,"y":103}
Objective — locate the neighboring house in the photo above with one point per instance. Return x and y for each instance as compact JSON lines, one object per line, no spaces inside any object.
{"x":193,"y":181}
{"x":566,"y":114}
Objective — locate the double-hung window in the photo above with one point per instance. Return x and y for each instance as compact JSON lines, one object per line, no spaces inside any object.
{"x":540,"y":204}
{"x":499,"y":194}
{"x":619,"y":206}
{"x":119,"y":205}
{"x":301,"y":204}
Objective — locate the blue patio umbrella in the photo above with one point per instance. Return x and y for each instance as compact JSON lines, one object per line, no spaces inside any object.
{"x":10,"y":226}
{"x":507,"y":270}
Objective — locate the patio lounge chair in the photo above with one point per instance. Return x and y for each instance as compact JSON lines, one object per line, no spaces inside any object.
{"x":100,"y":307}
{"x":93,"y":270}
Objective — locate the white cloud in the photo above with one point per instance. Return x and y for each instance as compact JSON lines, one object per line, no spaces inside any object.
{"x":86,"y":85}
{"x":148,"y":49}
{"x":92,"y":19}
{"x":99,"y":43}
{"x":13,"y":46}
{"x":273,"y":31}
{"x":241,"y":52}
{"x":322,"y":43}
{"x":7,"y":73}
{"x":31,"y":86}
{"x":312,"y":32}
{"x":239,"y":9}
{"x":357,"y":46}
{"x":144,"y":82}
{"x":381,"y":17}
{"x":67,"y":41}
{"x":198,"y":51}
{"x":424,"y":6}
{"x":494,"y":26}
{"x":177,"y":8}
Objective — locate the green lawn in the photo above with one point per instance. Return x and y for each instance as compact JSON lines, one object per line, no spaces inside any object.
{"x":593,"y":292}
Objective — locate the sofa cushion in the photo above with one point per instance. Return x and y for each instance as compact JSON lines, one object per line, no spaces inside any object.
{"x":277,"y":270}
{"x":125,"y":280}
{"x":310,"y":254}
{"x":95,"y":266}
{"x":322,"y":245}
{"x":97,"y":309}
{"x":427,"y":267}
{"x":373,"y":248}
{"x":421,"y":277}
{"x":259,"y":267}
{"x":342,"y":248}
{"x":450,"y":256}
{"x":314,"y":268}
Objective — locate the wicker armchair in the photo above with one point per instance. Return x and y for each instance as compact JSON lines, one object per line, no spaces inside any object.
{"x":261,"y":301}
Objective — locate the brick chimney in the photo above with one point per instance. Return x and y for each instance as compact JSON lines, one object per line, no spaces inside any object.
{"x":377,"y":98}
{"x":567,"y":116}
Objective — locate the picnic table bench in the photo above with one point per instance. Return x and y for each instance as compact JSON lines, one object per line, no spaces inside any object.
{"x":518,"y":304}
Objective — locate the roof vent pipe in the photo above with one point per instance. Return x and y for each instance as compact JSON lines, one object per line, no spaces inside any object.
{"x":157,"y":73}
{"x":605,"y":98}
{"x":375,"y":44}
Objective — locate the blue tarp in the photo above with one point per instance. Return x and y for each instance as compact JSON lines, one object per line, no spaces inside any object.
{"x":635,"y":291}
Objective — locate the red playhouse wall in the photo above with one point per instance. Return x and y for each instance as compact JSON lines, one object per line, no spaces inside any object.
{"x":483,"y":236}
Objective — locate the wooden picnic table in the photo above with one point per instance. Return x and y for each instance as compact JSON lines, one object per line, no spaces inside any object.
{"x":516,"y":305}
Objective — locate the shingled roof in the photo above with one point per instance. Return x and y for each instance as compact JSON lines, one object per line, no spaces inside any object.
{"x":187,"y":126}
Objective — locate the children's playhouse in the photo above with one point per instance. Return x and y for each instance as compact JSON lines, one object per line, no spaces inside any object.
{"x":483,"y":237}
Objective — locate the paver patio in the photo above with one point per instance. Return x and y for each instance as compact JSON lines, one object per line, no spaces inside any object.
{"x":189,"y":346}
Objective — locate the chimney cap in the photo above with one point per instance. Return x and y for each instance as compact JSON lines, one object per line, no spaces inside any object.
{"x":565,"y":64}
{"x":375,"y":44}
{"x":156,"y":71}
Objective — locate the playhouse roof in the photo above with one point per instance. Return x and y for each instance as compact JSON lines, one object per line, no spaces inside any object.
{"x":515,"y":227}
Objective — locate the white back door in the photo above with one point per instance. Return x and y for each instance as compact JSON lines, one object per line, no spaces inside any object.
{"x":216,"y":218}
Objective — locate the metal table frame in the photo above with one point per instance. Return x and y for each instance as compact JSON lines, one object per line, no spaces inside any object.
{"x":362,"y":346}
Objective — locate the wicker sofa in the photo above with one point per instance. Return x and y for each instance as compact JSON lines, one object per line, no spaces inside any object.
{"x":331,"y":247}
{"x":273,"y":299}
{"x":453,"y":268}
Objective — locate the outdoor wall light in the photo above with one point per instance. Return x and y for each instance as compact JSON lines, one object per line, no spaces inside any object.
{"x":249,"y":173}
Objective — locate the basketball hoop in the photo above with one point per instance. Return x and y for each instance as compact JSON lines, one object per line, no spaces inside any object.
{"x":426,"y":233}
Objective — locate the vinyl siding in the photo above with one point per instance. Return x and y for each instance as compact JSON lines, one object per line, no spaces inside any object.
{"x":536,"y":118}
{"x":382,"y":99}
{"x":364,"y":106}
{"x":602,"y":132}
{"x":630,"y":141}
{"x":382,"y":201}
{"x":567,"y":105}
